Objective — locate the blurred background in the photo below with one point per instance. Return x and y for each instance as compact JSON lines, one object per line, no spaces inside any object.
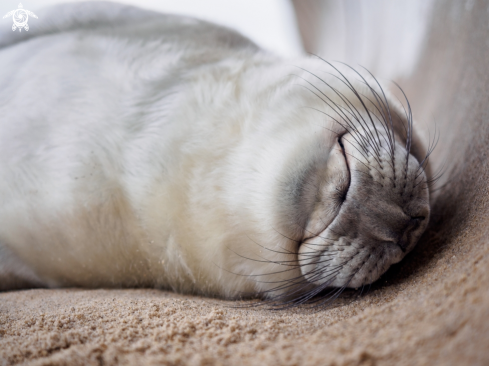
{"x":270,"y":23}
{"x":368,"y":33}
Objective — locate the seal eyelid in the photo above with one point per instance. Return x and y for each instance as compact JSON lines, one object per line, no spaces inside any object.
{"x":341,"y":193}
{"x":344,"y":186}
{"x":340,"y":142}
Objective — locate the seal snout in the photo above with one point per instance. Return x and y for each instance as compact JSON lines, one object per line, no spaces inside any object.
{"x":394,"y":227}
{"x":382,"y":215}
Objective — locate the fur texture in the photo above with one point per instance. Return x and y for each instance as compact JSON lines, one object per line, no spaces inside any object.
{"x":141,"y":149}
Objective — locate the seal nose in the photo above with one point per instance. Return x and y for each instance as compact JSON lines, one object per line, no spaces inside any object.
{"x":411,"y":226}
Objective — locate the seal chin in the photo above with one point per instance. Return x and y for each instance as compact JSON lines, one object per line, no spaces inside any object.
{"x":345,"y":262}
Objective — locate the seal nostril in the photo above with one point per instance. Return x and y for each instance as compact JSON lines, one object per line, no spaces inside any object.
{"x":411,"y":226}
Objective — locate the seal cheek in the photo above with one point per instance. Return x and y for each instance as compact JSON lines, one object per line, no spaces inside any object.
{"x":314,"y":255}
{"x":332,"y":190}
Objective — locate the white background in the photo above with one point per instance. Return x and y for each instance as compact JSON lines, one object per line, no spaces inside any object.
{"x":270,"y":23}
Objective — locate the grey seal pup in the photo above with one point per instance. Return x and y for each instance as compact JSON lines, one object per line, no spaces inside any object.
{"x":142,"y":149}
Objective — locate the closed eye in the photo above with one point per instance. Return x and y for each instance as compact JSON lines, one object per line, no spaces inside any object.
{"x":344,"y":183}
{"x":341,"y":194}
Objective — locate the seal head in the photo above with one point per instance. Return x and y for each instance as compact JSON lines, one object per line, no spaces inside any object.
{"x":359,"y":202}
{"x":380,"y":214}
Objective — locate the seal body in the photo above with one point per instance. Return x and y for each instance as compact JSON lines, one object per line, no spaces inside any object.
{"x":141,"y":149}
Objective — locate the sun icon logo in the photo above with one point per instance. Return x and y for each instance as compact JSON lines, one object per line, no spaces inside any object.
{"x":20,"y":17}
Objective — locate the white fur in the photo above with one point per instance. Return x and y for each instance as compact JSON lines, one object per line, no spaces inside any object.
{"x":135,"y":149}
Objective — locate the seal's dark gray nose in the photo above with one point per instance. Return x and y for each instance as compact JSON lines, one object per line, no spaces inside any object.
{"x":411,"y":226}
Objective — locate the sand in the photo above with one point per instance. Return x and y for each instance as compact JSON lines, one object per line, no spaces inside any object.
{"x":432,"y":308}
